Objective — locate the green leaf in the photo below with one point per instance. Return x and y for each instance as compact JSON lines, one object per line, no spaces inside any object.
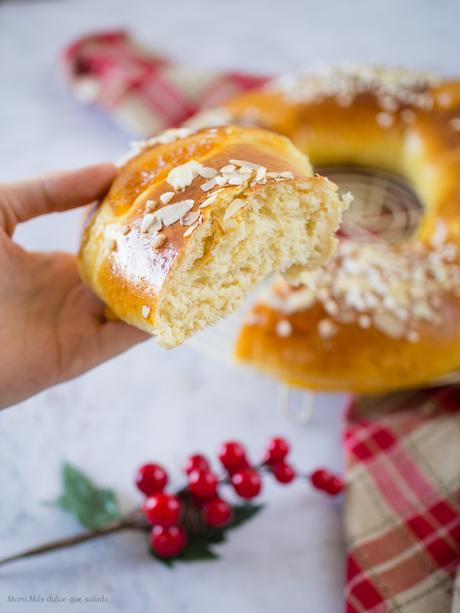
{"x":166,"y":561}
{"x":94,"y":507}
{"x":243,"y":513}
{"x":63,"y":503}
{"x":197,"y":549}
{"x":214,"y":536}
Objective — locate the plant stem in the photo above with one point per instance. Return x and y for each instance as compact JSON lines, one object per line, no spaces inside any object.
{"x":125,"y":523}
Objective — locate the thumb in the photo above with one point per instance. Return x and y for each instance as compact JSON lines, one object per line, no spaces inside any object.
{"x":60,"y":191}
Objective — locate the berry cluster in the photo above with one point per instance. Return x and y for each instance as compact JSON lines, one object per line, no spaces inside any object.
{"x":199,"y":505}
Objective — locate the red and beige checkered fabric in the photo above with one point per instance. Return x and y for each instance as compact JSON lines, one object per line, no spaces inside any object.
{"x":402,"y":519}
{"x":402,"y":512}
{"x":143,"y":91}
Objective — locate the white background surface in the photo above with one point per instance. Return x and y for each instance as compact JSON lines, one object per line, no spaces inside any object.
{"x":151,"y":404}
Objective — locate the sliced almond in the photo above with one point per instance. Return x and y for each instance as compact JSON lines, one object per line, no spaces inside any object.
{"x":182,"y":176}
{"x":167,"y":197}
{"x":173,"y":212}
{"x":221,"y":180}
{"x":209,"y":184}
{"x":364,"y":321}
{"x":331,"y":306}
{"x":189,"y":218}
{"x":284,"y":328}
{"x":260,"y":174}
{"x":208,"y":201}
{"x":327,"y":328}
{"x":250,"y":165}
{"x":385,"y":119}
{"x":211,"y":198}
{"x":207,"y":172}
{"x":233,"y":208}
{"x":455,"y":123}
{"x":388,"y":324}
{"x":192,"y":228}
{"x":235,"y":180}
{"x":228,"y":169}
{"x":150,"y":221}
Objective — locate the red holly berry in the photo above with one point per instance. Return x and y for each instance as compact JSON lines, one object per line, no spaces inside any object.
{"x":202,"y":483}
{"x":320,"y":478}
{"x":326,"y":481}
{"x":168,"y":542}
{"x":217,"y":512}
{"x":233,"y":456}
{"x":277,"y":450}
{"x":244,"y":464}
{"x":283,"y":472}
{"x":247,"y":483}
{"x":162,"y":509}
{"x":151,"y":478}
{"x":335,"y":485}
{"x":196,"y":462}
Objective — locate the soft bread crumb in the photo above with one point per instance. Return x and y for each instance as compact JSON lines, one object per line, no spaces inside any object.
{"x":273,"y":227}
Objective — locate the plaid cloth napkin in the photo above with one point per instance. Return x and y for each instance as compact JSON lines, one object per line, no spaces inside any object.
{"x":145,"y":92}
{"x":402,"y":511}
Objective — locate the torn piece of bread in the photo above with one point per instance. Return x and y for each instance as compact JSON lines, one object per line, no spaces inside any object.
{"x":194,"y":221}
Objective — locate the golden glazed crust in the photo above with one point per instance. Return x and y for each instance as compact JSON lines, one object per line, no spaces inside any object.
{"x":130,"y":267}
{"x":395,"y":120}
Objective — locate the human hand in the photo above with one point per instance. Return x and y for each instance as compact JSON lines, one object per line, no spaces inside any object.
{"x":52,"y":328}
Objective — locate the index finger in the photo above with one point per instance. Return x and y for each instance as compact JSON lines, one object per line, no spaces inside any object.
{"x":54,"y":192}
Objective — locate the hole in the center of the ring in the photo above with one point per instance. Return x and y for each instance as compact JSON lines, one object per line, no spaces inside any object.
{"x":384,"y":204}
